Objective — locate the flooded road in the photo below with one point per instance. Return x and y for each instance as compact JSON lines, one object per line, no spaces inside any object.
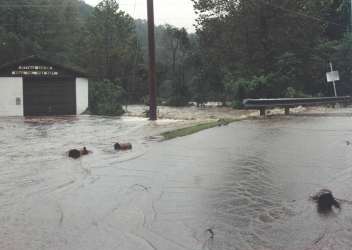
{"x":243,"y":186}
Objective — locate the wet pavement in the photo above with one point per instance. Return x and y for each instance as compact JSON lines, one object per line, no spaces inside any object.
{"x":242,"y":186}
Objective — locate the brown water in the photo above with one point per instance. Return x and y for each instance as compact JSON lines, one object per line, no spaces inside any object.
{"x":244,"y":186}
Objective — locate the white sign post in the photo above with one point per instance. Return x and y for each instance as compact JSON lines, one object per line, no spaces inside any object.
{"x":333,"y":76}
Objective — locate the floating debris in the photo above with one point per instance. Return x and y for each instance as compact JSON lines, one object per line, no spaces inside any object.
{"x":211,"y":233}
{"x":223,"y":122}
{"x":75,"y":153}
{"x":123,"y":146}
{"x":325,"y":201}
{"x":84,"y":151}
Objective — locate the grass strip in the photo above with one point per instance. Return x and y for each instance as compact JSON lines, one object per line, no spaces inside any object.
{"x":169,"y":135}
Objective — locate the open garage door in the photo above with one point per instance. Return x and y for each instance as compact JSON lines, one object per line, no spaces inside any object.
{"x":49,"y":96}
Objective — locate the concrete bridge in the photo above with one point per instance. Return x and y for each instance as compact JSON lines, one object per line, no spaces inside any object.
{"x":287,"y":103}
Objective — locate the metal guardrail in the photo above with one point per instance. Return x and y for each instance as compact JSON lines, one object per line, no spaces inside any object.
{"x":287,"y":103}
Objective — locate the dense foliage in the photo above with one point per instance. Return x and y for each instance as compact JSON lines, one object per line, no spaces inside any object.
{"x":101,"y":40}
{"x":242,"y":48}
{"x":273,"y":48}
{"x":105,"y":98}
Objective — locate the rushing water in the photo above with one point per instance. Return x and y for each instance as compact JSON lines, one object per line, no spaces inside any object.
{"x":243,"y":186}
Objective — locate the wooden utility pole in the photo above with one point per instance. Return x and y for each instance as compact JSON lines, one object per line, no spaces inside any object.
{"x":152,"y":74}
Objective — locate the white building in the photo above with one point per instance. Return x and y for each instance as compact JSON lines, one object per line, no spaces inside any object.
{"x":34,"y":86}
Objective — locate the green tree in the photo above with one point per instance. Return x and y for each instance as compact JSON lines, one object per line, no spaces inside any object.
{"x":111,"y":39}
{"x":105,"y":98}
{"x":51,"y":30}
{"x":113,"y":50}
{"x":268,"y":46}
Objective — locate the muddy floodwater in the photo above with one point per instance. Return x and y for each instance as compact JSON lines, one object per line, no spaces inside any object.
{"x":242,"y":186}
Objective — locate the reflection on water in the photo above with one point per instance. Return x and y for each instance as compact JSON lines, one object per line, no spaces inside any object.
{"x":244,"y":186}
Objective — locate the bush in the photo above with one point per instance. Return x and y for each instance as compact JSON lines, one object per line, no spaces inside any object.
{"x":159,"y":101}
{"x":106,"y":98}
{"x":237,"y":104}
{"x":292,"y":93}
{"x":178,"y":101}
{"x":254,"y":87}
{"x":180,"y":95}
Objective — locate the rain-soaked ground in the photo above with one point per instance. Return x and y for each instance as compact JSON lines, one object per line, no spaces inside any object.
{"x":243,"y":186}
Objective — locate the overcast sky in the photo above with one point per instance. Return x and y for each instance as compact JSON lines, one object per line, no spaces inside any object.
{"x":176,"y":12}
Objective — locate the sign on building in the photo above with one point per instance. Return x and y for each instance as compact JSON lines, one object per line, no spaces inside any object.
{"x":35,"y":70}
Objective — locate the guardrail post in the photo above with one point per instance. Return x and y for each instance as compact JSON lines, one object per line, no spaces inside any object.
{"x":262,"y":111}
{"x":287,"y":111}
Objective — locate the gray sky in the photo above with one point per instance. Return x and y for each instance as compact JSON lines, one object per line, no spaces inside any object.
{"x":176,"y":12}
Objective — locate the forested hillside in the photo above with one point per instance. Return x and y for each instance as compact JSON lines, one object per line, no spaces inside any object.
{"x":274,"y":48}
{"x":245,"y":48}
{"x":41,"y":27}
{"x":102,"y":41}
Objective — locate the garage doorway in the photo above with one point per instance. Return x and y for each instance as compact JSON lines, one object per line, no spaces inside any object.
{"x":49,"y":96}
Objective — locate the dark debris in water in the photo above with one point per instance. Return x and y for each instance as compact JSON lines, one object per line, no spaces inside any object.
{"x":123,"y":146}
{"x":325,"y":201}
{"x":144,"y":188}
{"x":76,"y":153}
{"x":211,"y":232}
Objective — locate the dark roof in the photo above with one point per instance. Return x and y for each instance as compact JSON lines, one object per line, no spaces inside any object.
{"x":74,"y":70}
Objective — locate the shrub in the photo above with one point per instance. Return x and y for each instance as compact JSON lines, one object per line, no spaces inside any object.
{"x":180,"y":95}
{"x":106,"y":98}
{"x":292,"y":93}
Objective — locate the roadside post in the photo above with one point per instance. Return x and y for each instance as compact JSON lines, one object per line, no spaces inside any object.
{"x":152,"y":73}
{"x":333,"y":76}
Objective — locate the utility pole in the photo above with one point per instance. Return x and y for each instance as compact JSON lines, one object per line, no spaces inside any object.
{"x":152,"y":74}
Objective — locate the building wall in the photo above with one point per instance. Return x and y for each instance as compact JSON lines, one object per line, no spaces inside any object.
{"x":81,"y":95}
{"x":11,"y":88}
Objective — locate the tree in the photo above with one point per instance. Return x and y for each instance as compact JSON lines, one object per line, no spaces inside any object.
{"x":110,"y":39}
{"x":113,"y":49}
{"x":105,"y":98}
{"x":101,"y":40}
{"x":268,"y":45}
{"x":176,"y":46}
{"x":50,"y":30}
